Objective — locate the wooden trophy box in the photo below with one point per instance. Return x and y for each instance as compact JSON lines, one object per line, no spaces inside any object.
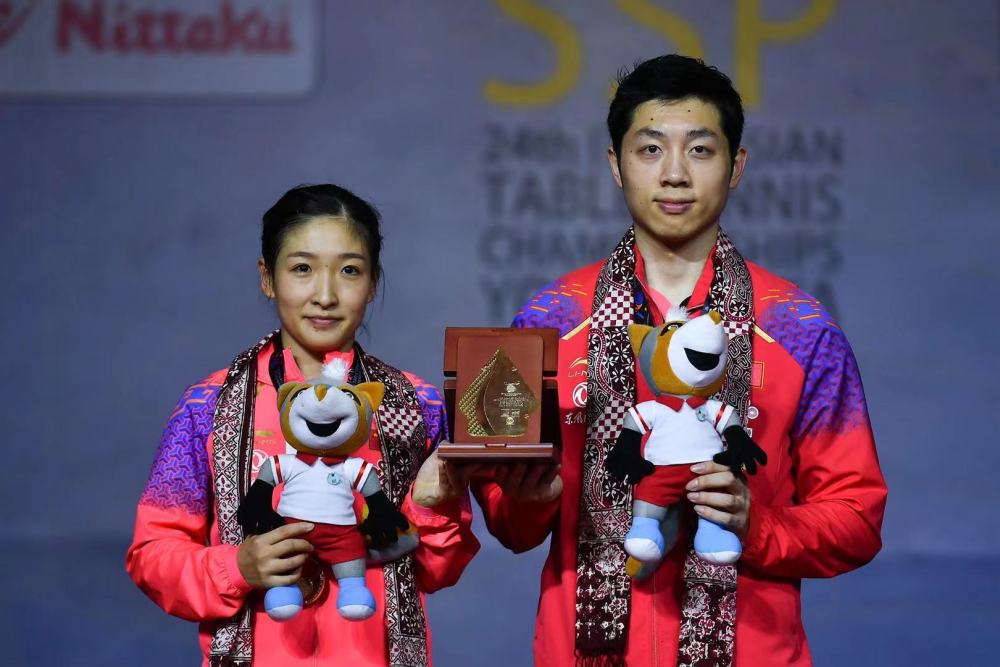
{"x":501,"y":394}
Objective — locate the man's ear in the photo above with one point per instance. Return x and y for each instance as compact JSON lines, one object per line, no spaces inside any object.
{"x":266,"y":279}
{"x":739,"y":164}
{"x":636,"y":334}
{"x":374,"y":391}
{"x":615,"y":167}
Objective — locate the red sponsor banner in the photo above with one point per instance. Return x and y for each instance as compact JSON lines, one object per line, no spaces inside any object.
{"x":158,"y":47}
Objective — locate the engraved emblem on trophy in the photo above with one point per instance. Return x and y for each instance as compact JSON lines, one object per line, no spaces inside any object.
{"x":498,"y":402}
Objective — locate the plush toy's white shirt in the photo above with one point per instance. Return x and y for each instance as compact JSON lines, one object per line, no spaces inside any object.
{"x":687,"y":435}
{"x":319,"y":492}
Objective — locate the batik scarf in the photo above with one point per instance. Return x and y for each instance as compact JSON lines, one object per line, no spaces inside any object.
{"x":603,"y":590}
{"x":402,"y":436}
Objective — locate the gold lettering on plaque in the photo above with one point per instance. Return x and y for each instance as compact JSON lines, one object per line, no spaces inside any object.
{"x":499,"y":401}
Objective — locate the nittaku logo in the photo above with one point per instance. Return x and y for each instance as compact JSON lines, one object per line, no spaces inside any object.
{"x":12,"y":17}
{"x":124,"y":27}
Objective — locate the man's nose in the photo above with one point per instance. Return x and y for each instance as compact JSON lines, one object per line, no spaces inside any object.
{"x":675,"y":170}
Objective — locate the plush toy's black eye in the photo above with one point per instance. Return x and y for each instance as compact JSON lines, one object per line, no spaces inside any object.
{"x":354,"y":397}
{"x":671,"y":326}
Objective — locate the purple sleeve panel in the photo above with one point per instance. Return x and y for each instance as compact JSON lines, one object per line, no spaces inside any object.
{"x":179,"y":478}
{"x":833,"y":399}
{"x":559,"y":305}
{"x":432,"y":405}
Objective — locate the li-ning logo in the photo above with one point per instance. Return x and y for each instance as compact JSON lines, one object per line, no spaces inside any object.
{"x":123,"y":27}
{"x":12,"y":17}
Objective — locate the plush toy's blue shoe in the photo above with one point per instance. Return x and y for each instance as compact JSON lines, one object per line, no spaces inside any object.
{"x":715,"y":544}
{"x":283,"y":602}
{"x":354,"y":601}
{"x":644,"y":541}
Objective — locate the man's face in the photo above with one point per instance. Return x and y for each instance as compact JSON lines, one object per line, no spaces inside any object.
{"x":675,"y":170}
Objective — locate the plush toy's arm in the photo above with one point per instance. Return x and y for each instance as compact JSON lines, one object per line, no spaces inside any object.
{"x":742,"y":453}
{"x":255,"y":513}
{"x":625,"y":462}
{"x":384,"y":519}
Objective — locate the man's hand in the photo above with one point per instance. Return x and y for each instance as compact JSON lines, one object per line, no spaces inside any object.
{"x":530,"y":482}
{"x":274,"y":558}
{"x":719,"y":496}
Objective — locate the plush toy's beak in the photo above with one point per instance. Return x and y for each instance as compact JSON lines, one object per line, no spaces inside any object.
{"x":321,"y":390}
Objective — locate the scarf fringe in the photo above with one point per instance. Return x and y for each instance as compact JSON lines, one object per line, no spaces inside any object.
{"x":226,"y":661}
{"x":599,"y":660}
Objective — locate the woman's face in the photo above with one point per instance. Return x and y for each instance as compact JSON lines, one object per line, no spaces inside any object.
{"x":322,"y":285}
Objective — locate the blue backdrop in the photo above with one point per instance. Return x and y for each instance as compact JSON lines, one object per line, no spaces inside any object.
{"x":134,"y":170}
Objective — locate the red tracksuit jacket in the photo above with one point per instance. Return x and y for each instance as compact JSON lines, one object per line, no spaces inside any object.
{"x":816,"y":508}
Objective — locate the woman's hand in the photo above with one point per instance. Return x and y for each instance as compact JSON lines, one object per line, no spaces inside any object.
{"x":274,"y":558}
{"x":719,"y":496}
{"x":439,"y":481}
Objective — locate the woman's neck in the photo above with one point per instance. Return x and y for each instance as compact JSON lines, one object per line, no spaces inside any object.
{"x":673,"y":270}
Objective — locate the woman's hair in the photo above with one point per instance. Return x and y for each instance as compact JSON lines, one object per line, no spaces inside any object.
{"x":305,"y":202}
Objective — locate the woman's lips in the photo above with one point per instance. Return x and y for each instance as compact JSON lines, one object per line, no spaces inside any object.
{"x":675,"y":207}
{"x":323,"y":322}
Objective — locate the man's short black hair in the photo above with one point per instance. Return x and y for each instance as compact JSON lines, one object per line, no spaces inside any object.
{"x":670,"y":78}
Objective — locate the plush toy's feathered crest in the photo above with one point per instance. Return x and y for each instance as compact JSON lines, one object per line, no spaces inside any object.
{"x":677,"y":314}
{"x":335,"y":372}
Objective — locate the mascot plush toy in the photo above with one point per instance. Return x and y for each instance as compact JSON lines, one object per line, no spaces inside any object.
{"x":324,"y":421}
{"x":683,"y":361}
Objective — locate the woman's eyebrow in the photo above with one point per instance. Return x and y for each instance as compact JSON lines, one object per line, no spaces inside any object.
{"x":310,"y":255}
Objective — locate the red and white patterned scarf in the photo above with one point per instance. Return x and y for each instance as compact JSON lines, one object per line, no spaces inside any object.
{"x":603,"y":592}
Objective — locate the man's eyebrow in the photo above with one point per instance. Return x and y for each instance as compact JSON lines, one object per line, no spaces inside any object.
{"x":697,"y":133}
{"x":650,"y":132}
{"x":701,"y":133}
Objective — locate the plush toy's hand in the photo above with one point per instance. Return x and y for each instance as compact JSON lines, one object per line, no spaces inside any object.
{"x":383,"y":522}
{"x":255,"y":514}
{"x":625,"y":462}
{"x":742,"y":453}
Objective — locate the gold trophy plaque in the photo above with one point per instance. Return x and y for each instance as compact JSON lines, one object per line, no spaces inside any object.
{"x":501,"y":394}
